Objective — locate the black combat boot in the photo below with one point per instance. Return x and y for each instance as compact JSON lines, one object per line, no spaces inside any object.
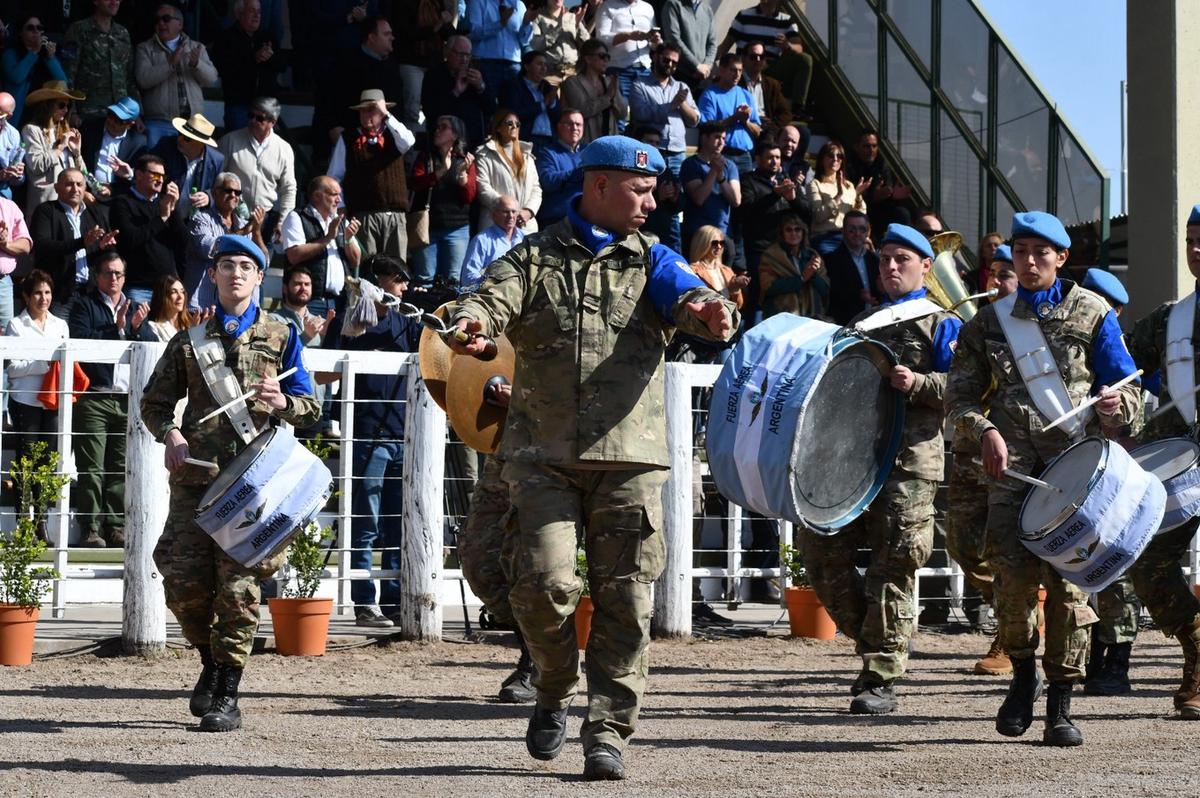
{"x":875,"y":699}
{"x":1016,"y":713}
{"x":603,"y":763}
{"x":202,"y":693}
{"x":1114,"y":677}
{"x":547,"y":733}
{"x":1060,"y":731}
{"x":518,"y":687}
{"x":224,"y":714}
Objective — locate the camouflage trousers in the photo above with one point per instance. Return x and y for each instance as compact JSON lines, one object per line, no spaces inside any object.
{"x":966,"y":522}
{"x":876,"y":610}
{"x":618,"y":516}
{"x":214,"y":598}
{"x":1119,"y":609}
{"x":1159,"y":581}
{"x":1017,"y":576}
{"x":481,"y":542}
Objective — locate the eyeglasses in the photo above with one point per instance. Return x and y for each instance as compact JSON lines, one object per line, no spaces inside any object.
{"x":718,"y":244}
{"x":157,"y":177}
{"x":243,"y":268}
{"x":236,"y":192}
{"x":793,"y":229}
{"x":168,"y":18}
{"x":602,"y":56}
{"x":512,"y":123}
{"x":34,"y":27}
{"x":110,"y":274}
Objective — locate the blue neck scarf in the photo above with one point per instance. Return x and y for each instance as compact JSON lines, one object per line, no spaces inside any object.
{"x":911,"y":295}
{"x":234,"y":326}
{"x":1043,"y":302}
{"x":592,"y":236}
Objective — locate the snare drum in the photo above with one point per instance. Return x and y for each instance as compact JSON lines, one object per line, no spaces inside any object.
{"x":264,"y":496}
{"x":1174,"y":461}
{"x":803,"y":424}
{"x":1108,"y":511}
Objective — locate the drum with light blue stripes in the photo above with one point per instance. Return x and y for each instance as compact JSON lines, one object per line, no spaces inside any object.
{"x":1176,"y":461}
{"x":803,"y":424}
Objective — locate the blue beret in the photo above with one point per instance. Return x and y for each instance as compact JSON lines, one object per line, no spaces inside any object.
{"x":1106,"y":285}
{"x":906,"y":236}
{"x":1003,"y":253}
{"x":239,"y":245}
{"x":126,"y":109}
{"x":1194,"y":218}
{"x":1039,"y":224}
{"x":622,"y":154}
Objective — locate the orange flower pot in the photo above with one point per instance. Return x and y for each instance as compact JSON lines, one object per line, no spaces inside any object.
{"x":806,"y":616}
{"x":583,"y":621}
{"x":301,"y":625}
{"x":17,"y":625}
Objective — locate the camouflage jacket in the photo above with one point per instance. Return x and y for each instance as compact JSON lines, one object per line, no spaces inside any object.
{"x":589,"y":338}
{"x":922,"y":452}
{"x":99,"y":64}
{"x":1148,"y":345}
{"x":983,"y":356}
{"x":257,"y":353}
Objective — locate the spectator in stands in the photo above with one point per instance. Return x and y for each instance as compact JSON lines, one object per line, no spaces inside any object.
{"x":12,"y":153}
{"x":711,"y":185}
{"x":596,"y":95}
{"x":297,"y":295}
{"x":368,"y":65}
{"x":629,"y":30}
{"x":369,"y":162}
{"x":772,"y":104}
{"x":707,"y":256}
{"x":320,"y":238}
{"x":111,"y":144}
{"x":104,"y":313}
{"x":663,"y":221}
{"x":247,"y":62}
{"x":558,"y":32}
{"x":830,"y":196}
{"x":506,"y":166}
{"x":492,"y":242}
{"x":731,"y":106}
{"x":787,"y":61}
{"x":419,"y":27}
{"x":31,"y":59}
{"x":192,"y":161}
{"x":688,"y":26}
{"x":219,"y":217}
{"x":172,"y":71}
{"x":169,"y":313}
{"x":884,"y":196}
{"x":454,"y":87}
{"x":66,"y":233}
{"x":444,"y":183}
{"x":981,"y":278}
{"x":853,"y":271}
{"x":531,"y":97}
{"x":791,"y":276}
{"x":51,"y":144}
{"x":500,"y":30}
{"x":793,"y":148}
{"x":265,"y":163}
{"x":101,"y":67}
{"x":341,"y":28}
{"x":149,"y":232}
{"x":767,"y":194}
{"x":559,"y":172}
{"x":928,"y":223}
{"x":14,"y":242}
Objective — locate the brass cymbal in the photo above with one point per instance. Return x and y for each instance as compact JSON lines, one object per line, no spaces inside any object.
{"x":434,"y":358}
{"x":478,"y":422}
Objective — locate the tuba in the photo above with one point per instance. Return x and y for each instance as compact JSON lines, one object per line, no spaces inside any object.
{"x":942,"y":282}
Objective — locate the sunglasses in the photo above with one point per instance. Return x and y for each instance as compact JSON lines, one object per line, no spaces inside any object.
{"x":157,"y":177}
{"x":718,"y":244}
{"x":602,"y":56}
{"x":168,"y":18}
{"x":236,"y":192}
{"x":755,"y":57}
{"x":512,"y":123}
{"x":669,"y":61}
{"x":261,"y":118}
{"x":793,"y":229}
{"x":836,"y":156}
{"x":38,"y":28}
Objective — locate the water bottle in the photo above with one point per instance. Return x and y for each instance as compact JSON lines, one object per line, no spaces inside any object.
{"x":191,"y":208}
{"x":242,"y":213}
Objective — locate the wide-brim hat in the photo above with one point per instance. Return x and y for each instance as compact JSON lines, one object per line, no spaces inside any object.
{"x":196,"y":128}
{"x":53,"y":90}
{"x":368,"y":98}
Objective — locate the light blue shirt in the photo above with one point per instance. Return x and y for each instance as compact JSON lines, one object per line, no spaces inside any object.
{"x":109,"y":145}
{"x":75,"y":219}
{"x":484,"y":248}
{"x":10,"y":154}
{"x":651,"y":104}
{"x":717,"y":104}
{"x":492,"y":39}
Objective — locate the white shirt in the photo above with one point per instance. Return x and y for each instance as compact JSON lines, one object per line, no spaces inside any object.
{"x":335,"y":270}
{"x":75,"y":219}
{"x":621,"y":16}
{"x":109,"y":145}
{"x":120,"y":382}
{"x":400,"y":134}
{"x":25,"y":376}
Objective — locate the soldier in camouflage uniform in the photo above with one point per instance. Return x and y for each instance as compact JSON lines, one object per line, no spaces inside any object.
{"x":589,"y":304}
{"x":1085,"y":341}
{"x":877,"y":610}
{"x":99,"y":59}
{"x":215,"y":598}
{"x":1157,"y":575}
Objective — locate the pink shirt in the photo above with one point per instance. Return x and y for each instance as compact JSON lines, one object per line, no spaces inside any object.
{"x":10,"y":214}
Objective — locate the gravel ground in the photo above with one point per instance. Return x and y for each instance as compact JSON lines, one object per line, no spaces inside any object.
{"x":729,"y":718}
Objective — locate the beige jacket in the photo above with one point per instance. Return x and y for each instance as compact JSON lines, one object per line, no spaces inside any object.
{"x":159,"y":81}
{"x":495,"y":179}
{"x":42,"y":167}
{"x":268,"y":177}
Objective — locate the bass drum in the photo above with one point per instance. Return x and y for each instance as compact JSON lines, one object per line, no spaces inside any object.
{"x":803,"y":424}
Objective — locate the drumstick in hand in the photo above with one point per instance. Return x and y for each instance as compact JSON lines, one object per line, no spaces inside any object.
{"x":1171,"y":404}
{"x":246,"y":397}
{"x":1019,"y":477}
{"x":208,"y":464}
{"x":1121,"y":383}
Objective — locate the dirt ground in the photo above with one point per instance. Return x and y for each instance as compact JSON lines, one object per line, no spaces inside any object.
{"x":734,"y":717}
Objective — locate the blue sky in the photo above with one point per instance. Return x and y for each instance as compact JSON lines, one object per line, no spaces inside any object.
{"x":1076,"y":50}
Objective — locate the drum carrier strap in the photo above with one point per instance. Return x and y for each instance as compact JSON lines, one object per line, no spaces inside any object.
{"x":1181,"y":358}
{"x":1037,"y":367}
{"x":898,"y":313}
{"x":221,"y":381}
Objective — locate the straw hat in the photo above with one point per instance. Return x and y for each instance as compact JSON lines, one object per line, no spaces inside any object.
{"x":368,"y":98}
{"x":53,"y":90}
{"x":196,"y":128}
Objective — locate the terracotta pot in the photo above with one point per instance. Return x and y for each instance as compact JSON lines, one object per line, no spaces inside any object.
{"x":17,"y":625}
{"x":806,"y":615}
{"x":583,"y":621}
{"x":301,"y":625}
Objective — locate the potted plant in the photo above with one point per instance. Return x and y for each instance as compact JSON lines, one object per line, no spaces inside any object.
{"x":583,"y":610}
{"x":806,"y":616}
{"x":22,"y":586}
{"x":301,"y":621}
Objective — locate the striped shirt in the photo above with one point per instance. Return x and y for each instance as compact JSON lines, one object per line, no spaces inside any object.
{"x":749,"y":27}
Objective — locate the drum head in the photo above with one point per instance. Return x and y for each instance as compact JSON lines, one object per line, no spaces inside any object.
{"x":846,"y":440}
{"x":1072,"y":472}
{"x":235,"y":468}
{"x":1169,"y":458}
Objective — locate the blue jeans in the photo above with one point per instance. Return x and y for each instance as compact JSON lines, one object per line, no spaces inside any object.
{"x":378,"y":504}
{"x":626,"y":77}
{"x":443,"y":257}
{"x":157,"y":129}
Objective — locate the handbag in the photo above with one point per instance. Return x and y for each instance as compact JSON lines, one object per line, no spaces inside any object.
{"x":418,"y":229}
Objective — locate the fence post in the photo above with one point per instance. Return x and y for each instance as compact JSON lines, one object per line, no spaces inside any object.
{"x":144,"y":611}
{"x":421,"y":552}
{"x":673,"y":591}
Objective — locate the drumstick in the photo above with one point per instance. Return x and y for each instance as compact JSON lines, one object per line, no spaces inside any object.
{"x":247,"y":396}
{"x":211,"y":466}
{"x":1171,"y":404}
{"x":1017,"y":475}
{"x":1121,"y":383}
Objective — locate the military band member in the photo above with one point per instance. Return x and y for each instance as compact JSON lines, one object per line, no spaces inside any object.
{"x":1075,"y":344}
{"x":877,"y":610}
{"x":215,"y":598}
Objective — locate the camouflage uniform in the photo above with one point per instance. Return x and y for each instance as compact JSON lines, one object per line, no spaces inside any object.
{"x":1118,"y":609}
{"x":481,"y":542}
{"x":214,"y":598}
{"x":966,"y":514}
{"x":983,"y":358}
{"x":877,"y":610}
{"x":99,"y":64}
{"x":585,"y":447}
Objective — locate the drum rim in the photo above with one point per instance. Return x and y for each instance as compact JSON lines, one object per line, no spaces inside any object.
{"x":207,"y":503}
{"x":1072,"y":506}
{"x":1195,"y":447}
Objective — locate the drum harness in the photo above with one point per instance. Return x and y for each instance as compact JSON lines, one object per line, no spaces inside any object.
{"x":1181,"y":362}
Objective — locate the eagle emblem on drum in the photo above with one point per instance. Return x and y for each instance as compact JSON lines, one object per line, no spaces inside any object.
{"x":1083,"y":554}
{"x":756,"y":399}
{"x":252,"y":516}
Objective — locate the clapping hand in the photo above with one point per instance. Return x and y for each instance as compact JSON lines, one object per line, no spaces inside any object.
{"x":739,"y":281}
{"x":786,"y":189}
{"x":862,"y":185}
{"x":119,"y":167}
{"x":352,"y":227}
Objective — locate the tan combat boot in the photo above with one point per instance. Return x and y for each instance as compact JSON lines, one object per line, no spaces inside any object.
{"x":995,"y":662}
{"x":1187,"y":697}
